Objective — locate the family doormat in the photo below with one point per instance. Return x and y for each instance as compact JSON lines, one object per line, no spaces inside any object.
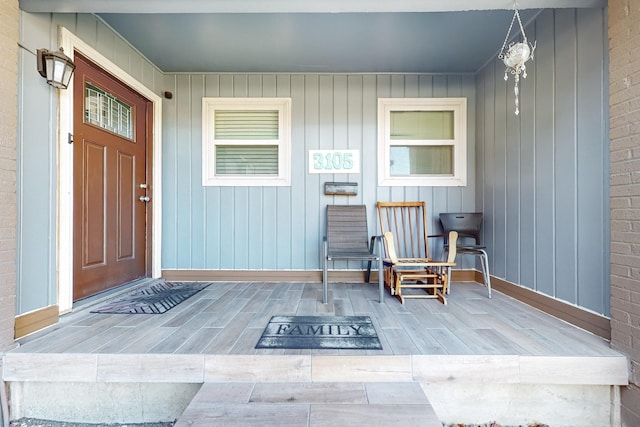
{"x":155,"y":298}
{"x":320,"y":332}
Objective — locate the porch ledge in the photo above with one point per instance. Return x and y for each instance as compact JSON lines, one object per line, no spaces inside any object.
{"x":171,"y":368}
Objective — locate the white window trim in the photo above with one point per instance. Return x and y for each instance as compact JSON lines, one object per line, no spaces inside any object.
{"x":209,"y":105}
{"x":459,"y":108}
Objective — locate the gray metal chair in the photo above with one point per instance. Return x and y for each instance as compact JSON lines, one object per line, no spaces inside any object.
{"x":348,"y":239}
{"x":468,"y":226}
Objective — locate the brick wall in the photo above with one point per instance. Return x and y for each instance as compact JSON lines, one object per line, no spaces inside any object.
{"x":624,"y":101}
{"x":8,"y":127}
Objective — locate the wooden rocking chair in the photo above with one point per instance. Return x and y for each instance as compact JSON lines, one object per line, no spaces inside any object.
{"x":407,"y":263}
{"x":423,"y":273}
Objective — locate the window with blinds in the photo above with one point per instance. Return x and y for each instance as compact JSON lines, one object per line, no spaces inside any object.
{"x":246,"y":141}
{"x":107,"y":112}
{"x":422,"y":141}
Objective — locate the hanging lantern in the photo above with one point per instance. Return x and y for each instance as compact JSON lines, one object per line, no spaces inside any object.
{"x":515,"y":56}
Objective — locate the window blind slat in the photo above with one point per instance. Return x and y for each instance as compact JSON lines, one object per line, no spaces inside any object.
{"x":246,"y":124}
{"x":247,"y":159}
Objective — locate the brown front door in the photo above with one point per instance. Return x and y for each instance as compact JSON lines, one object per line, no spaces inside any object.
{"x":111,"y":151}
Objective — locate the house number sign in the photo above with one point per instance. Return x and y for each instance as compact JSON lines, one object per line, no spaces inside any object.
{"x":334,"y":161}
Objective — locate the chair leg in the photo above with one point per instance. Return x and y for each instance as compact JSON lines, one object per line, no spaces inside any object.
{"x":325,"y":268}
{"x":484,"y":261}
{"x":372,"y":245}
{"x":380,"y":269}
{"x":380,"y":281}
{"x":447,"y":282}
{"x":444,"y":280}
{"x":397,"y":286}
{"x":389,"y":278}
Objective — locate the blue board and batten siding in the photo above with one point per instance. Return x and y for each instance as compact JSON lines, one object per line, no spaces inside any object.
{"x":543,"y":177}
{"x":280,"y":228}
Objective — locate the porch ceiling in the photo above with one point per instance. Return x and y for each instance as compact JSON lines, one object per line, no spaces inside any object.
{"x":431,"y":36}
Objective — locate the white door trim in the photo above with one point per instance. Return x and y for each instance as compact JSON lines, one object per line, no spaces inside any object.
{"x":70,"y":42}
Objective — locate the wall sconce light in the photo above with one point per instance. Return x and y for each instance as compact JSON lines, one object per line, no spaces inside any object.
{"x":56,"y":67}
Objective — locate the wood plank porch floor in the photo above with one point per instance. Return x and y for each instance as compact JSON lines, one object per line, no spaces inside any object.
{"x":229,"y":318}
{"x":492,"y":347}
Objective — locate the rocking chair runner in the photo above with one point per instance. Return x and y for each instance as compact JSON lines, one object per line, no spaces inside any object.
{"x":410,"y":266}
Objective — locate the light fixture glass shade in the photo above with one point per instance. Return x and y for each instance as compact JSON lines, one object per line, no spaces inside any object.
{"x":515,"y":56}
{"x":56,"y":67}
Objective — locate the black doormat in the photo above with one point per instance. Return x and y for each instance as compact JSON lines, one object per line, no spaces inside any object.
{"x":320,"y":332}
{"x":156,"y":298}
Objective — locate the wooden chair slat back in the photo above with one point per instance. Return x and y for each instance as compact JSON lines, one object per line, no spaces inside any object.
{"x":407,"y":221}
{"x":347,"y":228}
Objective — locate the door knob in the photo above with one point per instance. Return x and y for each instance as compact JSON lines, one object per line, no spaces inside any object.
{"x":145,"y":199}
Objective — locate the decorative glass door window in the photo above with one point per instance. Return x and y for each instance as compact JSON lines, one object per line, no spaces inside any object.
{"x":107,"y":112}
{"x":422,"y":141}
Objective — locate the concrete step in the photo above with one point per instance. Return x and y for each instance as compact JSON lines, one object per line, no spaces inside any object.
{"x":309,"y":404}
